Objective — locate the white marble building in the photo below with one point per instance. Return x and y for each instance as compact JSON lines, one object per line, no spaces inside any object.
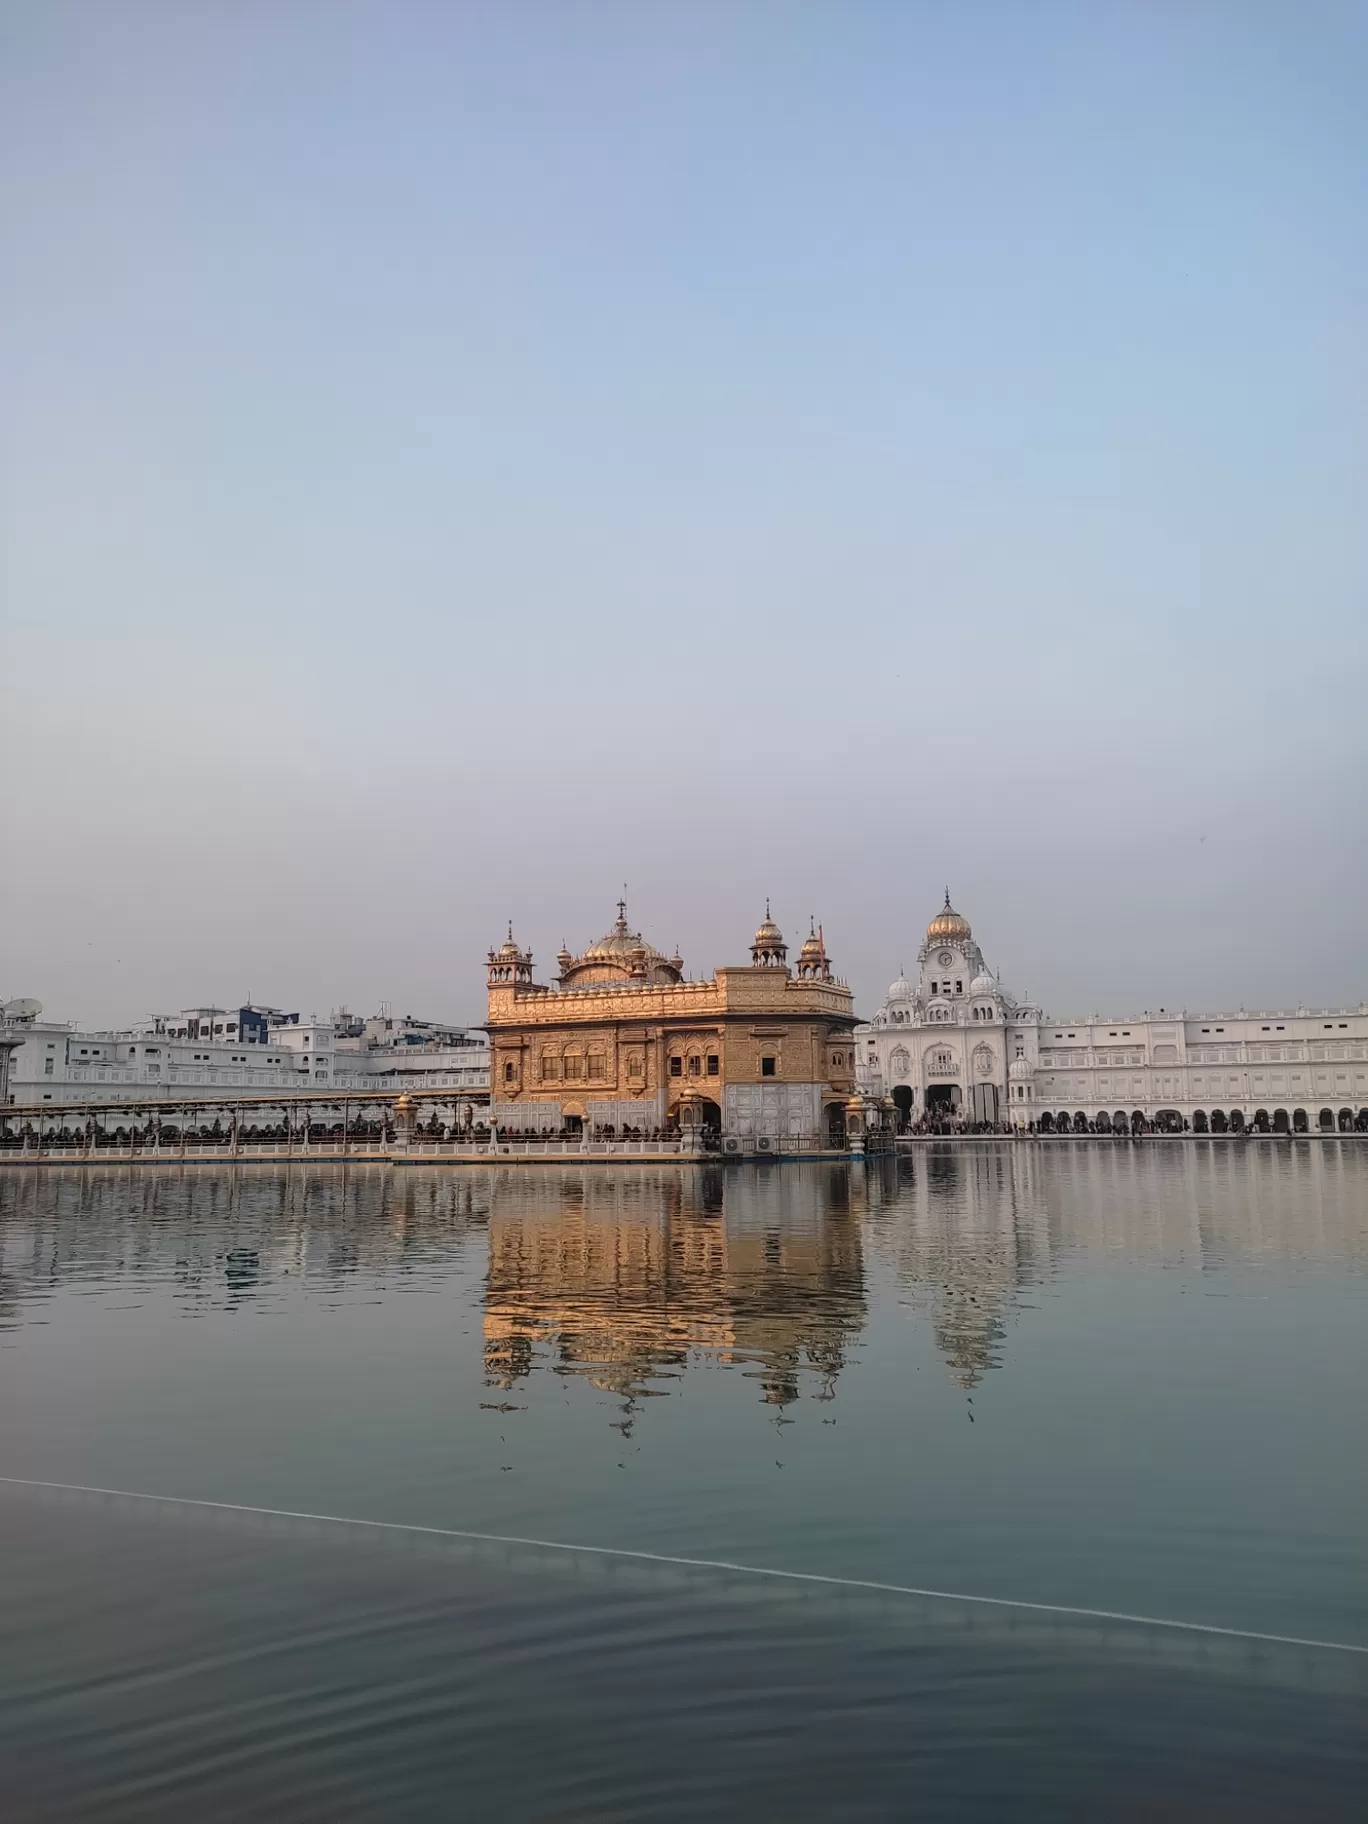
{"x":48,"y":1062}
{"x":954,"y":1043}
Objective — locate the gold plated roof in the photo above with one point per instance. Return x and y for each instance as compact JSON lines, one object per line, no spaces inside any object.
{"x":948,"y":924}
{"x":623,"y":953}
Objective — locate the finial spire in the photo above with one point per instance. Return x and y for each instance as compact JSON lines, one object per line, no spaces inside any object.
{"x":510,"y":930}
{"x":767,"y":910}
{"x":947,"y":899}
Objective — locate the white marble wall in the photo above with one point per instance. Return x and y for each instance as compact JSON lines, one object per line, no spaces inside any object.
{"x":781,"y":1111}
{"x":630,"y":1111}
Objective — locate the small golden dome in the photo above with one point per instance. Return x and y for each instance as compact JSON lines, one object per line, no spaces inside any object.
{"x":404,"y":1104}
{"x":768,"y":936}
{"x":948,"y":925}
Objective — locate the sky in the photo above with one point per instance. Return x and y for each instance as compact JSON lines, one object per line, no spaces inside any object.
{"x":457,"y":459}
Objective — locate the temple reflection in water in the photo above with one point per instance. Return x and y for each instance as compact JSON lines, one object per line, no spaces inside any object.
{"x":628,"y":1276}
{"x":623,"y":1277}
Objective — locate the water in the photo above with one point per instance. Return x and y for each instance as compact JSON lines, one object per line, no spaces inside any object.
{"x":1107,"y":1378}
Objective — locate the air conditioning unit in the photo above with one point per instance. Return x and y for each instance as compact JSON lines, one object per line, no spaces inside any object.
{"x":764,"y":1144}
{"x":731,"y":1143}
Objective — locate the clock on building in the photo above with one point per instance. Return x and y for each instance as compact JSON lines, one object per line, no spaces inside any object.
{"x":945,"y":959}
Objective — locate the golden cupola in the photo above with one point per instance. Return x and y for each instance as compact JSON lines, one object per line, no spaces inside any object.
{"x":769,"y":951}
{"x":948,"y":926}
{"x":812,"y":958}
{"x":620,"y":956}
{"x":510,"y":963}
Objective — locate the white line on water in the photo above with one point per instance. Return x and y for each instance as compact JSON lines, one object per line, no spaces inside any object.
{"x":697,"y":1564}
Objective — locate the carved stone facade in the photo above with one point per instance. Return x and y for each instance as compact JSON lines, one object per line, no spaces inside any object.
{"x":757,"y":1050}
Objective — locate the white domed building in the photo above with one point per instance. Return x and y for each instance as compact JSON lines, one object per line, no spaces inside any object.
{"x":955,"y":1045}
{"x":944,"y":1044}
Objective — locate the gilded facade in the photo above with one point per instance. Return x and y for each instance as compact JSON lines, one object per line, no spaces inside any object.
{"x":760,"y":1052}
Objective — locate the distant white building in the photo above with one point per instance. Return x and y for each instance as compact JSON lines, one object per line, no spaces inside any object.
{"x":404,"y":1053}
{"x":174,"y":1055}
{"x":954,"y":1043}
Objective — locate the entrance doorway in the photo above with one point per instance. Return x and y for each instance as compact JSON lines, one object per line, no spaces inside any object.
{"x":835,"y":1124}
{"x":943,"y":1100}
{"x":983,"y":1099}
{"x":902,"y":1101}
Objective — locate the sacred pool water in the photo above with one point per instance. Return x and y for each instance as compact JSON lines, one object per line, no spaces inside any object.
{"x":1109,"y":1387}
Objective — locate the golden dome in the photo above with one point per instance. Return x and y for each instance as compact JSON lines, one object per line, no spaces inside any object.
{"x":404,"y":1104}
{"x":768,"y":935}
{"x":620,"y":955}
{"x":948,"y":925}
{"x":620,"y":943}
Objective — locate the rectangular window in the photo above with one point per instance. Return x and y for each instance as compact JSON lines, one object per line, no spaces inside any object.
{"x":695,"y":1067}
{"x":508,"y":1073}
{"x":676,"y":1067}
{"x":634,"y":1069}
{"x":767,"y":1067}
{"x":594,"y":1065}
{"x":712,"y":1064}
{"x":47,"y":1067}
{"x":572,"y":1069}
{"x":959,"y":987}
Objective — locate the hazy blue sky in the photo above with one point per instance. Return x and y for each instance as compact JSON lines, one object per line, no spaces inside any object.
{"x":459,"y":458}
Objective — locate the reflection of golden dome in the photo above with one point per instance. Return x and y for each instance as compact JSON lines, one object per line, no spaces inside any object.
{"x":947,"y":924}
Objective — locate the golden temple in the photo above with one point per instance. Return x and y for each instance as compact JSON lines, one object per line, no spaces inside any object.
{"x":759,"y":1051}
